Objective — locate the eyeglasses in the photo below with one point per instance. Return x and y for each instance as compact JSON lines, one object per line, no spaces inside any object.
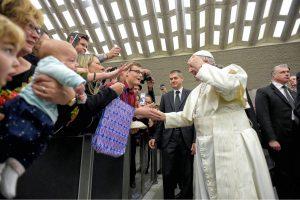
{"x":136,"y":71}
{"x":34,"y":29}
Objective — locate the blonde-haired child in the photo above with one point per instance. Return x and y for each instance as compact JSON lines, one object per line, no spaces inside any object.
{"x":12,"y":38}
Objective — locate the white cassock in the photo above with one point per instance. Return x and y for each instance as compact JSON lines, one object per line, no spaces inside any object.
{"x":229,"y":161}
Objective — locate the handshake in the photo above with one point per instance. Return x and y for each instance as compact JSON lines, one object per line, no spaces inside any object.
{"x":149,"y":111}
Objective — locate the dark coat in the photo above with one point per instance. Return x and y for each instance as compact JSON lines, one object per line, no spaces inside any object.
{"x":274,"y":113}
{"x":163,"y":135}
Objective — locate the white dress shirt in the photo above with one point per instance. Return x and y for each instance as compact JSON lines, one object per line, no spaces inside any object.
{"x":280,"y":88}
{"x":180,"y":93}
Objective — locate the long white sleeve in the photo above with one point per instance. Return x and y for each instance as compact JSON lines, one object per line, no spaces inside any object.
{"x":230,"y":82}
{"x":176,"y":119}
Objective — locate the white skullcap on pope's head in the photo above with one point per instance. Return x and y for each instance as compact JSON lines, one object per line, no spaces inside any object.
{"x":203,"y":53}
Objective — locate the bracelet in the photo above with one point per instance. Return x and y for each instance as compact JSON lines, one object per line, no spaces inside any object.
{"x":94,"y":76}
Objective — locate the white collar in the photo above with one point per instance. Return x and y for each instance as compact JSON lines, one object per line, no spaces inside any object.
{"x":180,"y":90}
{"x":277,"y":85}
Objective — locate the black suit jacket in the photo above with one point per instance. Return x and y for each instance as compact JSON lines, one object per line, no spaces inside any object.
{"x":274,"y":113}
{"x":297,"y":105}
{"x":163,"y":135}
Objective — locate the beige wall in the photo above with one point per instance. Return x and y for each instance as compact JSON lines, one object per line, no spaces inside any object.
{"x":257,"y":61}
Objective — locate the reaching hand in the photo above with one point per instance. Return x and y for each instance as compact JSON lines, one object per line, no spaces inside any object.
{"x":118,"y":87}
{"x":160,"y":116}
{"x":115,"y":51}
{"x":152,"y":143}
{"x":123,"y":68}
{"x":275,"y":145}
{"x":147,"y":112}
{"x":80,"y":89}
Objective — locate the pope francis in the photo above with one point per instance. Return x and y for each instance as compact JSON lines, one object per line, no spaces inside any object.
{"x":229,"y":161}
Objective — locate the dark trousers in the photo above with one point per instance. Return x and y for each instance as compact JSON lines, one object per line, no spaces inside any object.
{"x":24,"y":132}
{"x":132,"y":159}
{"x":177,"y":161}
{"x":286,"y":170}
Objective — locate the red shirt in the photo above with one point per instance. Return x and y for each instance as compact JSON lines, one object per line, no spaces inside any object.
{"x":128,"y":95}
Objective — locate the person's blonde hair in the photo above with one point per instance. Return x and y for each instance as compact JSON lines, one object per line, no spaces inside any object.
{"x":21,"y":12}
{"x":11,"y":32}
{"x":84,"y":60}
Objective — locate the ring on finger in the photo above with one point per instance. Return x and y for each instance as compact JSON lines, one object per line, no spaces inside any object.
{"x":43,"y":89}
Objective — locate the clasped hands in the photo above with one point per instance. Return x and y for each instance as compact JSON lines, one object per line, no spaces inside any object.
{"x":149,"y":111}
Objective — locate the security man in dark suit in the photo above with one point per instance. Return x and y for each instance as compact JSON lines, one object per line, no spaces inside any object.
{"x":275,"y":107}
{"x":177,"y":144}
{"x":297,"y":106}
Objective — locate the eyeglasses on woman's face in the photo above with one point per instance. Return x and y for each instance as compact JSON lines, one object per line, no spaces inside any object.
{"x":33,"y":28}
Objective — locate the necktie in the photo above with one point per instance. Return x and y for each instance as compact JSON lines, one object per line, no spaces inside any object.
{"x":177,"y":101}
{"x":291,"y":102}
{"x":289,"y":97}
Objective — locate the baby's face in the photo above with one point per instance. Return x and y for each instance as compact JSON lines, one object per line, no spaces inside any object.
{"x":70,"y":59}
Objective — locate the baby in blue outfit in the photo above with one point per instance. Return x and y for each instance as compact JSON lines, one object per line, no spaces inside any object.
{"x":29,"y":120}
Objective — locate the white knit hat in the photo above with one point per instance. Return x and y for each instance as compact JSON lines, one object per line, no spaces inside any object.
{"x":203,"y":53}
{"x":138,"y":124}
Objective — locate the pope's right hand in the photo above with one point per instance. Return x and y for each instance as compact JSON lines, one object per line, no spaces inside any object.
{"x":275,"y":145}
{"x":152,"y":144}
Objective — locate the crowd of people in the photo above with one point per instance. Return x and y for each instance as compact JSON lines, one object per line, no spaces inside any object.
{"x":211,"y":138}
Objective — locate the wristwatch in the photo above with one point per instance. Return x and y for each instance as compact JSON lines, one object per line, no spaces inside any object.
{"x":72,"y":102}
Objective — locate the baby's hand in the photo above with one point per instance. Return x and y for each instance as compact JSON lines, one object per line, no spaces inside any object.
{"x":80,"y":89}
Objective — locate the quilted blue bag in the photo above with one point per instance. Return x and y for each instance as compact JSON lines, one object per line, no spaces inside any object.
{"x":113,"y":129}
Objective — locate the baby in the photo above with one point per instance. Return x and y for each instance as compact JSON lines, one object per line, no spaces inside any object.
{"x":29,"y":120}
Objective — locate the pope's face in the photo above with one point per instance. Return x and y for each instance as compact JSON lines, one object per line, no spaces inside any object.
{"x":193,"y":70}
